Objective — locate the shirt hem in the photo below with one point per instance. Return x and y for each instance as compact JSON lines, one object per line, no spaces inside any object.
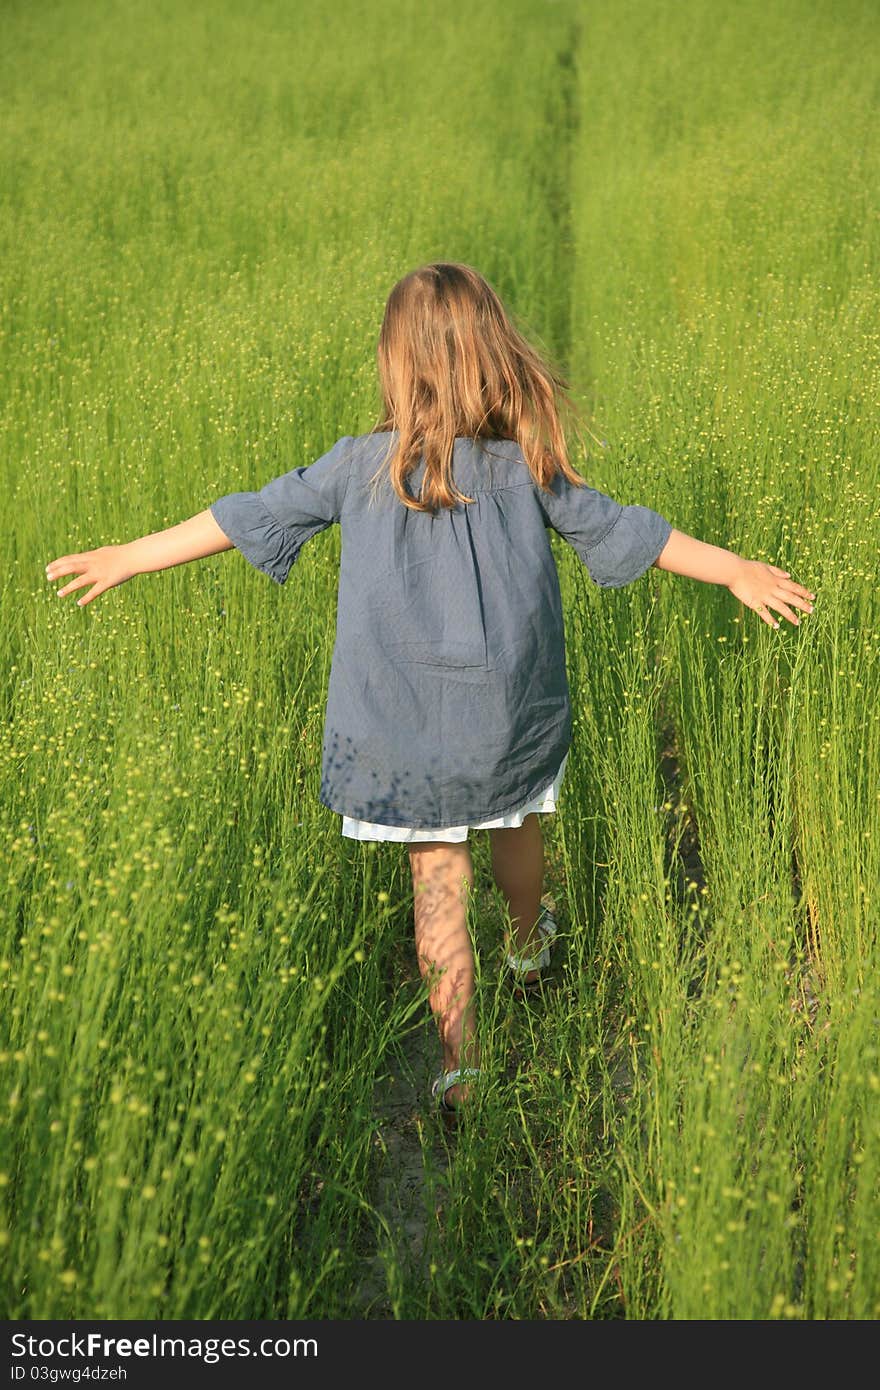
{"x":642,"y":567}
{"x":452,"y":824}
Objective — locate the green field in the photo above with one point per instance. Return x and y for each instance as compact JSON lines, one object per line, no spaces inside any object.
{"x":215,"y":1049}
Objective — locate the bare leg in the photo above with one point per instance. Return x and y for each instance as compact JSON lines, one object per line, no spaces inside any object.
{"x":443,"y":875}
{"x":518,"y":867}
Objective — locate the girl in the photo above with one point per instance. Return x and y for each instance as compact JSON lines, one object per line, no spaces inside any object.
{"x":448,"y":705}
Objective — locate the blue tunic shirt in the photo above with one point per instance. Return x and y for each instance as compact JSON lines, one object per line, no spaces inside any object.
{"x":448,"y":700}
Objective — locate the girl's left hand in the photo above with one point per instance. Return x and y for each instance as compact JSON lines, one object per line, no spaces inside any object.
{"x":102,"y":568}
{"x":762,"y":587}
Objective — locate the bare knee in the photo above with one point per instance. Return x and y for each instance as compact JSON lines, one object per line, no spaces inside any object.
{"x":512,"y":834}
{"x":440,"y":866}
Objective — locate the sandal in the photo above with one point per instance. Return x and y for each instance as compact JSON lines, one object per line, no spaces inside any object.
{"x":444,"y":1082}
{"x":520,"y":966}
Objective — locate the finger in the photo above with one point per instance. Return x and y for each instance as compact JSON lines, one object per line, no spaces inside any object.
{"x":784,"y":609}
{"x":764,"y":614}
{"x":799,"y":589}
{"x":794,"y":593}
{"x":93,"y":593}
{"x":65,"y":564}
{"x":75,"y":584}
{"x":788,"y":583}
{"x":802,"y":603}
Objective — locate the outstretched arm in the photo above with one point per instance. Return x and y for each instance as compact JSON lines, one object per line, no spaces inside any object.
{"x":754,"y":583}
{"x":114,"y":564}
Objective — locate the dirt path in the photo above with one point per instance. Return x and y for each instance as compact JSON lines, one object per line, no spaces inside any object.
{"x":412,"y":1152}
{"x":406,"y":1134}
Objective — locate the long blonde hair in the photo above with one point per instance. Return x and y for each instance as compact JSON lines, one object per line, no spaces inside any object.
{"x":451,"y":363}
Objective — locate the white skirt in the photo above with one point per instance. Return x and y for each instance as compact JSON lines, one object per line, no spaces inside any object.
{"x":545,"y":802}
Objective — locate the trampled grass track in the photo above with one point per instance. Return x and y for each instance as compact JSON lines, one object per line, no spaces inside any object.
{"x":204,"y":986}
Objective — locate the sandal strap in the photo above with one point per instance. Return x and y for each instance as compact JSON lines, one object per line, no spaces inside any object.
{"x":521,"y":965}
{"x":452,"y":1078}
{"x":447,"y":1079}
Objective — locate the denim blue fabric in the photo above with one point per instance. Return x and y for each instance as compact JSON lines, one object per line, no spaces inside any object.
{"x":448,"y":699}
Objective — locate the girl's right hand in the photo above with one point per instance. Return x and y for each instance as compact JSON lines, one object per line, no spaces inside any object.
{"x":103,"y":568}
{"x":761,"y":587}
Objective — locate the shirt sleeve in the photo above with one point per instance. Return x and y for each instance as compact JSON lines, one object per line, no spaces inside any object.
{"x":271,"y":526}
{"x":616,"y":543}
